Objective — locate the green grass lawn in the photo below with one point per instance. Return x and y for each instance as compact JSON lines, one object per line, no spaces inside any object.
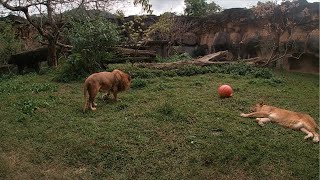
{"x":164,"y":127}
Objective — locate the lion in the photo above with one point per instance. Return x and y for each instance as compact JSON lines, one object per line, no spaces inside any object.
{"x":114,"y":82}
{"x":286,"y":118}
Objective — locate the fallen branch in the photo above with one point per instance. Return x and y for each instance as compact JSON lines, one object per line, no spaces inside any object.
{"x":221,"y":57}
{"x":254,"y":61}
{"x":218,"y":56}
{"x":131,"y":60}
{"x":134,"y":52}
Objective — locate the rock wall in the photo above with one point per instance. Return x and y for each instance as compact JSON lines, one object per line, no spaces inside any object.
{"x":293,"y":34}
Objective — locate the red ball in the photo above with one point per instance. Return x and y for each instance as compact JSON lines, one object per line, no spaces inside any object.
{"x":225,"y":91}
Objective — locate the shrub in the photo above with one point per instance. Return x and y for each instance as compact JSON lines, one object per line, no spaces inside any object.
{"x":238,"y":69}
{"x":28,"y":107}
{"x":138,"y":83}
{"x":71,"y":69}
{"x":263,"y":73}
{"x":8,"y":43}
{"x":43,"y":87}
{"x":174,"y":58}
{"x":90,"y":39}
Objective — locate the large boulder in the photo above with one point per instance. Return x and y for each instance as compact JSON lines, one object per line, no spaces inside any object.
{"x":298,"y":40}
{"x":220,"y":41}
{"x":30,"y":59}
{"x":249,"y":44}
{"x":189,"y":39}
{"x":313,"y":42}
{"x":234,"y":43}
{"x":207,"y":39}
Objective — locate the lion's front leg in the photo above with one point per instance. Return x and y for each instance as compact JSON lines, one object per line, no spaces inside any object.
{"x":92,"y":107}
{"x":115,"y":96}
{"x":255,"y":114}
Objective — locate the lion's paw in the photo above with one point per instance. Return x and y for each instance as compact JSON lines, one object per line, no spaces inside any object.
{"x":243,"y":115}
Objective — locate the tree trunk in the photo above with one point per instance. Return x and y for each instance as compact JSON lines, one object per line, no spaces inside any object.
{"x":52,"y":54}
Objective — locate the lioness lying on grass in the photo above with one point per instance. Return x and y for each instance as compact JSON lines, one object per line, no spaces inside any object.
{"x":289,"y":119}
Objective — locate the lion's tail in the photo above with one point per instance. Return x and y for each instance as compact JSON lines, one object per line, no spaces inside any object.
{"x":85,"y":94}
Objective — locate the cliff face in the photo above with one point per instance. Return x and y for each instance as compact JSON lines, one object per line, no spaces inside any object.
{"x":289,"y":35}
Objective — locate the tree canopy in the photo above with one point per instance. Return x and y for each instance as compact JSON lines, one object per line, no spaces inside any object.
{"x":200,"y":8}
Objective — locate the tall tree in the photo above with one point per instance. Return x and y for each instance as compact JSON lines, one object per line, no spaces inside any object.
{"x":200,"y":8}
{"x":48,"y":10}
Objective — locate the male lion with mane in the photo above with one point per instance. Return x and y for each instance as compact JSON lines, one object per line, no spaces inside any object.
{"x":115,"y":82}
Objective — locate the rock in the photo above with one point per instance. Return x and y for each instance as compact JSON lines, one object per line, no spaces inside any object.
{"x":189,"y":39}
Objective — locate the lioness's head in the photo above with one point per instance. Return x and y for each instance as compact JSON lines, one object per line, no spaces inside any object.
{"x":256,"y":107}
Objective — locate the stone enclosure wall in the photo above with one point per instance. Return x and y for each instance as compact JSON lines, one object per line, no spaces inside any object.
{"x":294,"y":36}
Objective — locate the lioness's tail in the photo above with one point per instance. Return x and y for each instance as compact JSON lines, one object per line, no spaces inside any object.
{"x":85,"y":94}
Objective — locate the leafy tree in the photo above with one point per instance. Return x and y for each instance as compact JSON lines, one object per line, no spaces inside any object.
{"x":8,"y":42}
{"x":213,"y":8}
{"x":162,"y":28}
{"x":200,"y":8}
{"x":134,"y":29}
{"x":91,"y":38}
{"x":48,"y":25}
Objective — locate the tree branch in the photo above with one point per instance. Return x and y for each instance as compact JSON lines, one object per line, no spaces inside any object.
{"x":24,"y":9}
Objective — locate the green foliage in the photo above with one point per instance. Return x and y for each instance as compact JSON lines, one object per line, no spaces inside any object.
{"x":74,"y":68}
{"x":43,"y":87}
{"x":238,"y":69}
{"x":134,"y":29}
{"x":174,"y":58}
{"x":200,"y":8}
{"x":146,"y":6}
{"x":92,"y":35}
{"x":263,"y":73}
{"x":162,"y":28}
{"x":90,"y":39}
{"x":264,"y":9}
{"x":138,"y":83}
{"x":274,"y":81}
{"x":9,"y":44}
{"x":28,"y":106}
{"x":244,"y":69}
{"x":191,"y":70}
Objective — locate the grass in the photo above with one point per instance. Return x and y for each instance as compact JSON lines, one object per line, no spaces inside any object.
{"x":169,"y":125}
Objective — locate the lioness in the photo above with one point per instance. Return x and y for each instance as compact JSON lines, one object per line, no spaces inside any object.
{"x":289,"y":119}
{"x":115,"y":82}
